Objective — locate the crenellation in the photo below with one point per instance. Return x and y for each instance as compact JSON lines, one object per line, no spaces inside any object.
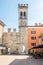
{"x":14,"y":29}
{"x":9,"y":29}
{"x":23,"y":5}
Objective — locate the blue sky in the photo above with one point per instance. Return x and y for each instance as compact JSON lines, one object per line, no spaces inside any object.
{"x":9,"y":12}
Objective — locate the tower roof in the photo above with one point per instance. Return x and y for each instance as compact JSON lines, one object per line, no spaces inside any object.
{"x":2,"y":23}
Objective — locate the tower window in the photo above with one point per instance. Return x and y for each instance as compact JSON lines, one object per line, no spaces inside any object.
{"x":24,"y":13}
{"x":20,"y":13}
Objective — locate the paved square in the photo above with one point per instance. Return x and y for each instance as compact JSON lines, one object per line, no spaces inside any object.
{"x":19,"y":60}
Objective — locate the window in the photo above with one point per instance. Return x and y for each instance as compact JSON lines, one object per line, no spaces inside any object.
{"x":33,"y":32}
{"x":24,"y":13}
{"x":33,"y":38}
{"x":20,"y":13}
{"x":33,"y":44}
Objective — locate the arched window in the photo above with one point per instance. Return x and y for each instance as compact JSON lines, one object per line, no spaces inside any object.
{"x":24,"y":13}
{"x":20,"y":13}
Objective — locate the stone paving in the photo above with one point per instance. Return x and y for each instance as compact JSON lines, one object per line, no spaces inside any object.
{"x":8,"y":59}
{"x":33,"y":61}
{"x":20,"y":60}
{"x":29,"y":61}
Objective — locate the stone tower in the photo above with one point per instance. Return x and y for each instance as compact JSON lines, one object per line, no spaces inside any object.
{"x":23,"y":22}
{"x":23,"y":14}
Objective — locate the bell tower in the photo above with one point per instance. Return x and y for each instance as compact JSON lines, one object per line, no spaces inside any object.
{"x":23,"y":22}
{"x":23,"y":14}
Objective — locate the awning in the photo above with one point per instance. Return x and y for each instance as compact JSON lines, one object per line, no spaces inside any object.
{"x":36,"y":47}
{"x":39,"y":46}
{"x":2,"y":47}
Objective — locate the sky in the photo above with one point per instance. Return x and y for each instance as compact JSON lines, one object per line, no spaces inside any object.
{"x":9,"y":12}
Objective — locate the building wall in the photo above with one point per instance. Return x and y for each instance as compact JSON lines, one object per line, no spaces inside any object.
{"x":10,"y":40}
{"x":37,"y":34}
{"x":1,"y":33}
{"x":23,"y":37}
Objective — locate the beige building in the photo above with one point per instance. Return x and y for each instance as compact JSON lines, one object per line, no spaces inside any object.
{"x":1,"y":30}
{"x":1,"y":35}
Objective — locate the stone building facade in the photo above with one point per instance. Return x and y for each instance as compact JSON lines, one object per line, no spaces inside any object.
{"x":11,"y":40}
